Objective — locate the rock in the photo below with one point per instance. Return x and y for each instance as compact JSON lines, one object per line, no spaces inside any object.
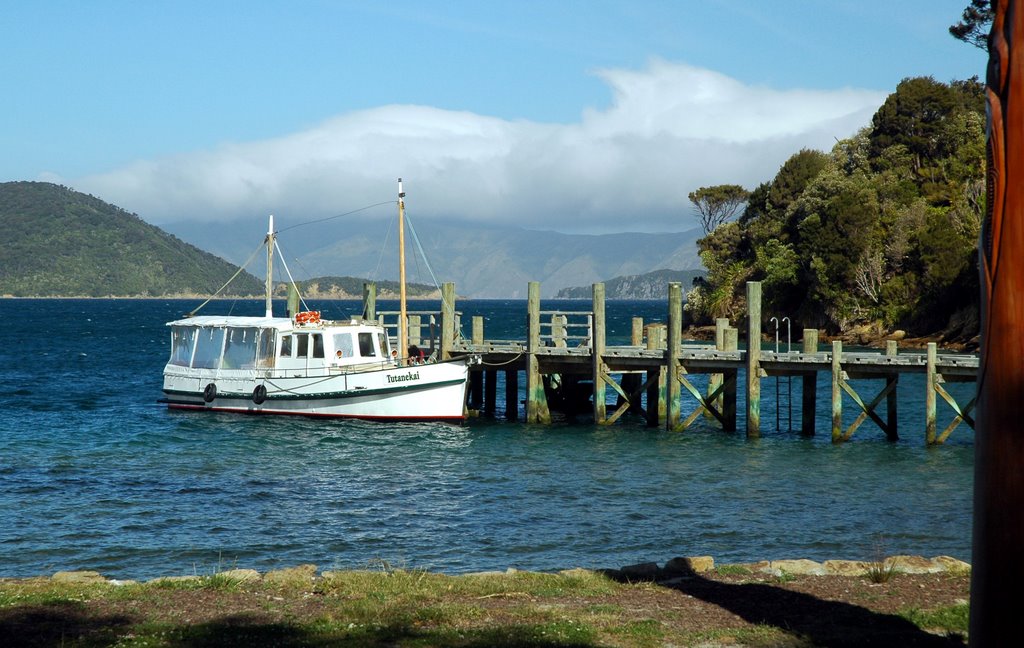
{"x":951,"y":564}
{"x":295,"y":576}
{"x":845,"y":567}
{"x":689,"y":565}
{"x":240,"y":575}
{"x":760,"y":566}
{"x":86,"y":577}
{"x":897,"y":335}
{"x":912,"y":565}
{"x":640,"y":571}
{"x":801,"y":567}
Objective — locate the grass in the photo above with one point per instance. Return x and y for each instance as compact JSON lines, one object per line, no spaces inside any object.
{"x":387,"y":606}
{"x":953,"y":618}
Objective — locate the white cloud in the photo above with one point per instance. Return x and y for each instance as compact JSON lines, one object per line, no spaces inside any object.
{"x":670,"y":128}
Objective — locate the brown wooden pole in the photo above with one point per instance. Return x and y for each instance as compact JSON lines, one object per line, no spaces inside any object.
{"x":997,"y":575}
{"x":809,"y":391}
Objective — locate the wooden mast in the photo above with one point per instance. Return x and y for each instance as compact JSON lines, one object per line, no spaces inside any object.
{"x":403,"y":322}
{"x":270,"y":267}
{"x":997,"y":574}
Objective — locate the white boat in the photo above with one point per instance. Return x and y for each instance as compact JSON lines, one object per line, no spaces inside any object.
{"x":308,"y":366}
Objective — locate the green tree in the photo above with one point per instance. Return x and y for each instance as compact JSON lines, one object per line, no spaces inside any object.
{"x":975,"y":24}
{"x":718,"y":204}
{"x":915,"y":117}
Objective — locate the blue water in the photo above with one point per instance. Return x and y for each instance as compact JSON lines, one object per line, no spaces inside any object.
{"x":95,"y":474}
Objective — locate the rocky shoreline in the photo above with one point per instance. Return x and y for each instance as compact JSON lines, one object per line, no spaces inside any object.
{"x":673,"y":569}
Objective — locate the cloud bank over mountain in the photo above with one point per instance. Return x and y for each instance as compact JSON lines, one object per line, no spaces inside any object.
{"x":668,"y":129}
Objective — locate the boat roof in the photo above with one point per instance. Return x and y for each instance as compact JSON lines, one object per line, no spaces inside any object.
{"x":280,"y":323}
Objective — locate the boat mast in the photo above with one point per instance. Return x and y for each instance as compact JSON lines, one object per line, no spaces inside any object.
{"x":270,"y":267}
{"x":403,"y":322}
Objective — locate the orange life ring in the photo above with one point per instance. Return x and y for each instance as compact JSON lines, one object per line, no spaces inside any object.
{"x":307,"y":317}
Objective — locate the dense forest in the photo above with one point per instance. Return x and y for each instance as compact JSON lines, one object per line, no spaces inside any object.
{"x":881,"y":230}
{"x":62,"y":243}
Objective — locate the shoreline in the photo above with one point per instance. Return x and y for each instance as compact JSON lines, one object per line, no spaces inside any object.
{"x":646,"y":571}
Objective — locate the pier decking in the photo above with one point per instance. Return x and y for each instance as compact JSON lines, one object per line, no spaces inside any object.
{"x":565,"y":359}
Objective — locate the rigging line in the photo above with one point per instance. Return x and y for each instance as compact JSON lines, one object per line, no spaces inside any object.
{"x":380,"y":258}
{"x":240,"y":269}
{"x":289,"y":273}
{"x":419,"y":247}
{"x":322,"y":220}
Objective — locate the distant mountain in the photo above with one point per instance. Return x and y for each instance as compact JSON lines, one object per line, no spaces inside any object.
{"x":483,"y":261}
{"x":352,"y":288}
{"x":652,"y":285}
{"x":61,"y":243}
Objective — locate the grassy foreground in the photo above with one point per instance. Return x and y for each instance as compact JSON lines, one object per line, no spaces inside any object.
{"x":389,"y":607}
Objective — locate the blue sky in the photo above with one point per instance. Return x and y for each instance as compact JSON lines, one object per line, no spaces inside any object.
{"x":577,"y":115}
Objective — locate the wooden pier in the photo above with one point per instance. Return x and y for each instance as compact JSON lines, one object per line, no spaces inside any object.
{"x":566,"y":364}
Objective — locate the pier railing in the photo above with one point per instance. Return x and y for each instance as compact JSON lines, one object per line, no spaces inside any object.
{"x":565,"y":352}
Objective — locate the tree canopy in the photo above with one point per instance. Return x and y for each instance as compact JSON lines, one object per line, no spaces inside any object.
{"x":882,"y":228}
{"x":718,"y":204}
{"x":975,"y":24}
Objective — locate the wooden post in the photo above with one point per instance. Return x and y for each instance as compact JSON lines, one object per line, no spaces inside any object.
{"x":809,"y":391}
{"x":370,"y":301}
{"x":891,"y":401}
{"x":559,"y":330}
{"x":675,"y":334}
{"x":478,"y":330}
{"x":929,"y":397}
{"x":512,"y":394}
{"x":490,"y":391}
{"x":637,"y":337}
{"x":415,"y":329}
{"x":731,"y":342}
{"x":447,"y":319}
{"x":753,"y":359}
{"x":293,"y":300}
{"x":715,"y":379}
{"x":997,"y":573}
{"x":536,"y":401}
{"x":476,"y":390}
{"x":597,"y":357}
{"x":837,"y":391}
{"x":656,"y":379}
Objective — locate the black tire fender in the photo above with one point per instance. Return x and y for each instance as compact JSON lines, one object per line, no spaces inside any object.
{"x":210,"y":393}
{"x":259,"y":394}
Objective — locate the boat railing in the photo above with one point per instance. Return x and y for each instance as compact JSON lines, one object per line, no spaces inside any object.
{"x":424,"y":327}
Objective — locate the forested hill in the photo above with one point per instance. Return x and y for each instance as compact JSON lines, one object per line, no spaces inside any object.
{"x":62,"y":243}
{"x":652,"y":285}
{"x":882,"y":230}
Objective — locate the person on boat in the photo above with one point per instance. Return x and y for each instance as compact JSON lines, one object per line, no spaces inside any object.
{"x":415,"y":355}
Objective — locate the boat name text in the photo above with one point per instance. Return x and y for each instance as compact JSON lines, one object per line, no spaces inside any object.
{"x":412,"y":375}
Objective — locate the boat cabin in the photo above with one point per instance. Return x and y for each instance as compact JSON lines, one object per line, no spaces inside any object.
{"x":277,"y":345}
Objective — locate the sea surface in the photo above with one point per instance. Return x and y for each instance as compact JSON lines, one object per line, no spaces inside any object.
{"x":95,"y":474}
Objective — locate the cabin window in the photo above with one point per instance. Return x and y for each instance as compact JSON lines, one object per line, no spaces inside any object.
{"x":209,"y":343}
{"x":265,"y":357}
{"x":366,"y":345}
{"x":318,"y":345}
{"x":382,"y":342}
{"x":286,"y":346}
{"x":183,"y":338}
{"x":343,"y":343}
{"x":240,"y":348}
{"x":301,"y":345}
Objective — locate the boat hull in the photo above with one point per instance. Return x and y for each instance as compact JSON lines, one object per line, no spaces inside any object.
{"x":427,"y":392}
